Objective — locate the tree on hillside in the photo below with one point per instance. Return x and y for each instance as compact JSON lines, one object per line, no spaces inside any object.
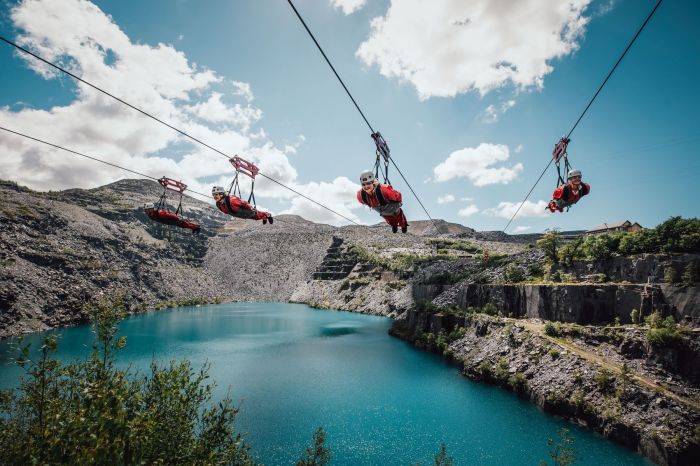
{"x":549,"y":244}
{"x":690,"y":274}
{"x":91,"y":412}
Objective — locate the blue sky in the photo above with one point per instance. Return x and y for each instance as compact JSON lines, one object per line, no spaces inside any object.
{"x":462,"y":129}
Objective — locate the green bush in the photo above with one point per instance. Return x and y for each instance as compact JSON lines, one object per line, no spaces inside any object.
{"x":490,"y":309}
{"x":665,"y":332}
{"x":634,"y":316}
{"x":554,"y":353}
{"x":562,"y":453}
{"x":518,"y":382}
{"x":513,"y":273}
{"x":670,"y":275}
{"x":501,"y":369}
{"x":552,"y":329}
{"x":604,"y":380}
{"x":91,"y":412}
{"x":485,"y":368}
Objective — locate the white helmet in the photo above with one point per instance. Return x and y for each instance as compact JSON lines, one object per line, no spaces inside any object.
{"x":367,"y":176}
{"x":217,"y":190}
{"x":149,"y":205}
{"x":573,"y":173}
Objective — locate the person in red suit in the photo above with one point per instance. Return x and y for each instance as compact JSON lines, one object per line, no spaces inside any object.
{"x":169,"y":218}
{"x":237,"y":207}
{"x":570,"y":193}
{"x":384,"y":199}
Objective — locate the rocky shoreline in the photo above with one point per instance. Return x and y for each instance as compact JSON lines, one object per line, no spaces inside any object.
{"x":550,"y":373}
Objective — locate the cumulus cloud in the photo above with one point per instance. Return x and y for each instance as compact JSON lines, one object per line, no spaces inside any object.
{"x":521,"y":229}
{"x":445,"y":199}
{"x":478,"y":165}
{"x":450,"y":47}
{"x":529,"y":209}
{"x":468,"y":211}
{"x":348,"y":6}
{"x":158,"y":78}
{"x":519,"y":148}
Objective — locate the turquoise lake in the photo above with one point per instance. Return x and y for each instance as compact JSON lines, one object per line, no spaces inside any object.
{"x":381,"y":401}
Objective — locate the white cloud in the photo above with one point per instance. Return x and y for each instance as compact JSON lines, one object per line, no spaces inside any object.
{"x":243,"y":89}
{"x":529,"y":209}
{"x":468,"y":211}
{"x":467,"y":199}
{"x":215,"y":111}
{"x":453,"y":46}
{"x":477,"y":164}
{"x":339,"y":195}
{"x":489,"y":115}
{"x":445,"y":199}
{"x":348,"y":6}
{"x":159,"y":79}
{"x":492,"y":113}
{"x":521,"y":229}
{"x":519,"y":148}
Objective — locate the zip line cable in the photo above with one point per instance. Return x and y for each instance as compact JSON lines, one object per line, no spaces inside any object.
{"x":600,"y":88}
{"x":320,"y":49}
{"x":90,"y":157}
{"x":63,"y":70}
{"x":112,"y":165}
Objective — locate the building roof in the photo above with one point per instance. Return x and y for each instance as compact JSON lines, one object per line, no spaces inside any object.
{"x":609,"y":226}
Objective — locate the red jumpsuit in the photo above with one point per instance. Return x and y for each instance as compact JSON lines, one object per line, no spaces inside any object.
{"x":390,"y":209}
{"x":564,"y":196}
{"x":237,"y":207}
{"x":171,"y":218}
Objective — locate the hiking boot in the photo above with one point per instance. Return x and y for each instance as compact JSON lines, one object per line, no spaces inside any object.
{"x":394,"y":228}
{"x":264,"y":221}
{"x":270,"y":219}
{"x":404,"y":229}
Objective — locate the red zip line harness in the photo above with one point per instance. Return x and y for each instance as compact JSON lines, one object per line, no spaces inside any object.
{"x":566,"y":139}
{"x":143,"y":112}
{"x":159,"y":180}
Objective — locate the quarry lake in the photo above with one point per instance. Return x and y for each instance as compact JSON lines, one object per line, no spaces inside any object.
{"x":381,"y":401}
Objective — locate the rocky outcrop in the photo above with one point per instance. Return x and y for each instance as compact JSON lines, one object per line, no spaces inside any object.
{"x":562,"y":382}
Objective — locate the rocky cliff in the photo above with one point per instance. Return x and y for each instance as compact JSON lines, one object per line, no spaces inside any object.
{"x":608,"y":380}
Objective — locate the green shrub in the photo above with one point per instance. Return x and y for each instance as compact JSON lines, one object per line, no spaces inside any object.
{"x":552,"y":329}
{"x":518,"y":382}
{"x":604,"y":380}
{"x":513,"y":273}
{"x":485,"y":368}
{"x":535,"y":269}
{"x":554,"y":353}
{"x":670,"y":275}
{"x":501,"y":369}
{"x":634,"y":316}
{"x":91,"y":412}
{"x":490,"y":309}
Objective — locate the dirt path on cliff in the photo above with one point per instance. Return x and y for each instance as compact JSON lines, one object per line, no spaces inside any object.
{"x":613,"y":367}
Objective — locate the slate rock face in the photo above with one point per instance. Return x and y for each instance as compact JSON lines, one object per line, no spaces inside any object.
{"x":504,"y":352}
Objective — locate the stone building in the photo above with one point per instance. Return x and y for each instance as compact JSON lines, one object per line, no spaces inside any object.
{"x":624,"y":225}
